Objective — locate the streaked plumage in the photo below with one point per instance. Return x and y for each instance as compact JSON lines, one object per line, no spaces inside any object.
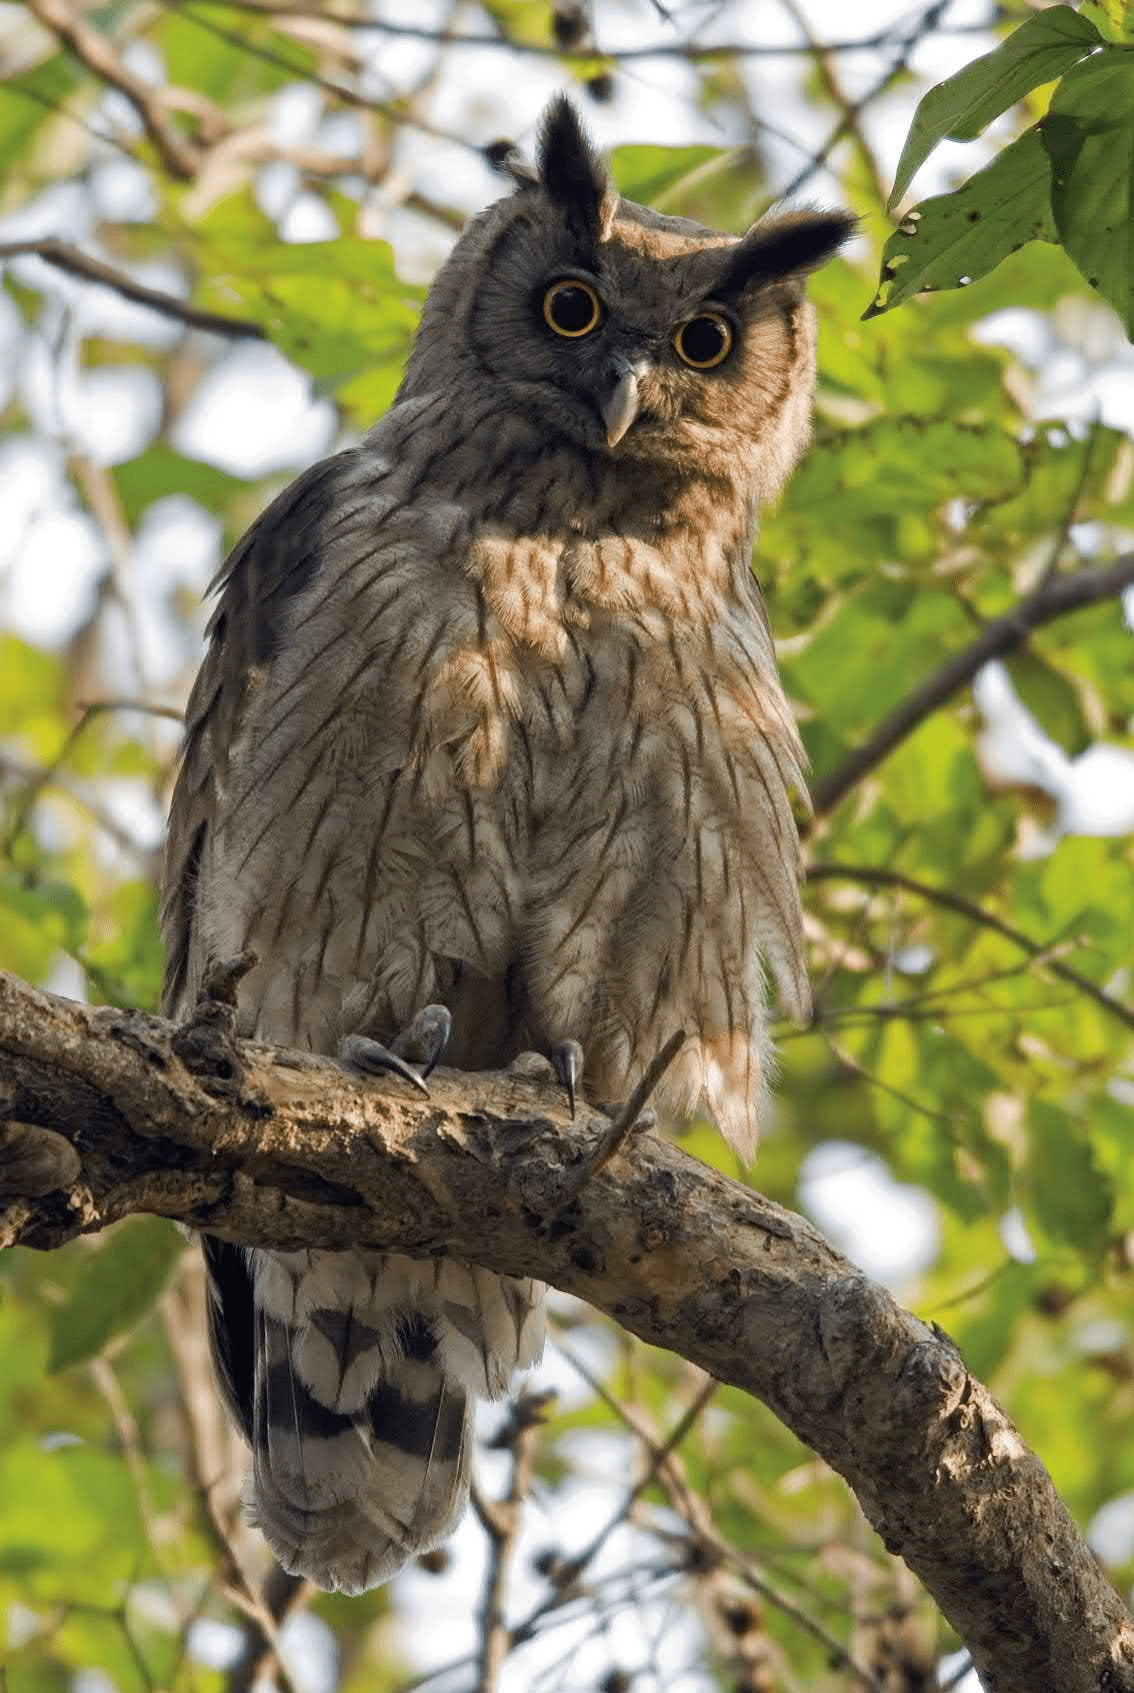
{"x":490,"y":717}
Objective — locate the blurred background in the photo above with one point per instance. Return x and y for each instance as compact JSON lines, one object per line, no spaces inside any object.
{"x":285,"y":179}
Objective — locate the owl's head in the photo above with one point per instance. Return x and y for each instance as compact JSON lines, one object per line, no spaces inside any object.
{"x":630,"y":334}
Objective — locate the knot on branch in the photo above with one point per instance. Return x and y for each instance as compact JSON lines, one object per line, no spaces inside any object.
{"x":207,"y":1043}
{"x":34,"y":1161}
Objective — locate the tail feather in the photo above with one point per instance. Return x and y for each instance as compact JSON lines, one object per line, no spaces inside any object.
{"x":358,"y":1402}
{"x":345,"y":1498}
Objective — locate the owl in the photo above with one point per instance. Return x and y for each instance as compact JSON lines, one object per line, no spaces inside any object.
{"x":488,"y":754}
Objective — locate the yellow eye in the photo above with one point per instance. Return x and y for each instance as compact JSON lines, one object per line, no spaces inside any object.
{"x":704,"y":342}
{"x":572,"y":308}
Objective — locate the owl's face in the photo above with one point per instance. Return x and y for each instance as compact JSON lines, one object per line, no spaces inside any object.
{"x":630,"y":334}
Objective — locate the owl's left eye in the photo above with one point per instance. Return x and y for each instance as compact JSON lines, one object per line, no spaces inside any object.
{"x":572,"y":308}
{"x":704,"y":341}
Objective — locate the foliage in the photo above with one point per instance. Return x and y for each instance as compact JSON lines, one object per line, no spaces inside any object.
{"x":1068,"y":179}
{"x":944,"y":1049}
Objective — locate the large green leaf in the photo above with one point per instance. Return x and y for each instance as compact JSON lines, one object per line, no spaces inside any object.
{"x":955,"y":238}
{"x":126,"y":1275}
{"x":1044,"y":46}
{"x":1089,"y":137}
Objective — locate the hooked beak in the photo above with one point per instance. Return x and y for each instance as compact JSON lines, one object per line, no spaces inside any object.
{"x":620,"y":407}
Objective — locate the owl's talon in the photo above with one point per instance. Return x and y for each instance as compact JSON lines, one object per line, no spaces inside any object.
{"x":425,"y":1037}
{"x":370,"y":1056}
{"x":567,"y":1057}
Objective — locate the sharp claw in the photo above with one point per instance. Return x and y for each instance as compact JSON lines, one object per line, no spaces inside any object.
{"x":424,"y":1037}
{"x":568,"y":1060}
{"x":370,"y":1055}
{"x":442,"y":1028}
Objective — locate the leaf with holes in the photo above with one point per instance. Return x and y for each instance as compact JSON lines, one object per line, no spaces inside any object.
{"x":955,"y":238}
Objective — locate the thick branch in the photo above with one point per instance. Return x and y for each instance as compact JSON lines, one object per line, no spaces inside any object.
{"x":1054,"y":597}
{"x":283,"y":1149}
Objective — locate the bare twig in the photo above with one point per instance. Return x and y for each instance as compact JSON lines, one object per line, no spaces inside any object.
{"x":692,"y":51}
{"x":179,"y":157}
{"x":1053,"y":598}
{"x":870,"y":876}
{"x":501,"y":1521}
{"x":623,"y":1124}
{"x":397,"y":112}
{"x":666,"y":1469}
{"x":214,"y":1466}
{"x":853,"y":109}
{"x":49,"y":772}
{"x":65,"y":257}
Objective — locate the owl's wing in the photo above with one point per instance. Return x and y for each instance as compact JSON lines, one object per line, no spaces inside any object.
{"x":350,"y":1375}
{"x":273,"y":563}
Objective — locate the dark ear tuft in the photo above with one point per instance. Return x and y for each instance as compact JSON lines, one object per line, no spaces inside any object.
{"x":786,"y":246}
{"x":573,"y":175}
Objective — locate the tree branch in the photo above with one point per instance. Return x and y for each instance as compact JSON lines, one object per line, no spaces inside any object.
{"x":693,"y":51}
{"x":177,"y":154}
{"x":77,"y":263}
{"x":1054,"y":597}
{"x":872,"y":876}
{"x":284,"y":1149}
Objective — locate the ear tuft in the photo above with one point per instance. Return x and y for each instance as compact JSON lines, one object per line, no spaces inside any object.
{"x":573,"y":175}
{"x":786,"y":246}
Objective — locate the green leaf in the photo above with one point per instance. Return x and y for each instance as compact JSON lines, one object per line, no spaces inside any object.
{"x":64,"y":1507}
{"x":1089,"y":137}
{"x":1114,"y":19}
{"x":1043,"y":47}
{"x":125,"y":1277}
{"x":1071,"y":1197}
{"x":337,"y":308}
{"x":721,"y":189}
{"x":954,"y":238}
{"x":37,"y":920}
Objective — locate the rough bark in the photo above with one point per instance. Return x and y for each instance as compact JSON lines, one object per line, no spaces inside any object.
{"x":106,"y":1112}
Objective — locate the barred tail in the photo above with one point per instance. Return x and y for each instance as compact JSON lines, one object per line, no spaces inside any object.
{"x":352,"y":1377}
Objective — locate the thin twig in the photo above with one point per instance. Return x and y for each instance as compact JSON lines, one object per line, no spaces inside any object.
{"x":1051,"y":599}
{"x":212,"y":1470}
{"x":65,"y":257}
{"x":177,"y":154}
{"x":665,"y":1468}
{"x":692,"y":51}
{"x":871,"y":877}
{"x":501,"y":1521}
{"x":853,"y":110}
{"x":623,"y":1124}
{"x":49,"y":772}
{"x":129,"y":1436}
{"x":397,"y":112}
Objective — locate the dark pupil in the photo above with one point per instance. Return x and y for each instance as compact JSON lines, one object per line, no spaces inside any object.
{"x":703,"y":340}
{"x":572,"y":309}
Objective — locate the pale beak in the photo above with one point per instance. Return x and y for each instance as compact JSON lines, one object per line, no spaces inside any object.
{"x":620,"y":408}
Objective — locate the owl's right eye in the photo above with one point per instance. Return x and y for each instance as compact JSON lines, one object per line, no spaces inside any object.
{"x":572,"y":308}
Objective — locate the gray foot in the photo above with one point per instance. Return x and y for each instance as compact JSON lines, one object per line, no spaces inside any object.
{"x":422,"y":1041}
